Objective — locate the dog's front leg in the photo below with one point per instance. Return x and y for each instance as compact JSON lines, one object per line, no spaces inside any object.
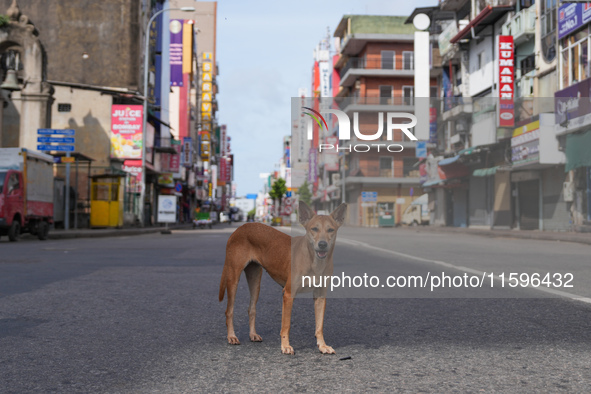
{"x":286,"y":323}
{"x":319,"y":307}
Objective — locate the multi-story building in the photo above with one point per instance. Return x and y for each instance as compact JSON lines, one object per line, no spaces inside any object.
{"x":376,"y":68}
{"x":490,"y":168}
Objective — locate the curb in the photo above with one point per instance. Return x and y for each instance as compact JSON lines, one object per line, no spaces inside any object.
{"x":56,"y":235}
{"x":515,"y":234}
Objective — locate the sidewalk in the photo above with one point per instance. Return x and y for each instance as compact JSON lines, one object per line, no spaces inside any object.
{"x":583,"y":238}
{"x":108,"y":232}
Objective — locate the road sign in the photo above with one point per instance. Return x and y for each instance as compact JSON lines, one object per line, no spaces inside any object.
{"x":179,"y":187}
{"x":369,"y":196}
{"x":59,"y":148}
{"x":61,"y":140}
{"x":56,"y":131}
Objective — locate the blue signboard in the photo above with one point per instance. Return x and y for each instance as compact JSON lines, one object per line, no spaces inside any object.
{"x":59,"y":148}
{"x":369,"y":196}
{"x":571,"y":16}
{"x":178,"y":187}
{"x":421,"y":150}
{"x":62,"y":140}
{"x":56,"y":131}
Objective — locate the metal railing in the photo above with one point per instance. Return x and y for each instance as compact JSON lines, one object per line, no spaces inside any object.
{"x":377,"y":64}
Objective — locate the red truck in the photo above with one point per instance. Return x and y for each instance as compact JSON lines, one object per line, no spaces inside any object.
{"x":26,"y":193}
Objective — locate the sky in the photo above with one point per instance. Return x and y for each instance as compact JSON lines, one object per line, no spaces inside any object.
{"x":265,"y":54}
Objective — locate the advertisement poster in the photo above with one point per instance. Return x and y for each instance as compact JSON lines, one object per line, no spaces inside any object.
{"x":126,"y":131}
{"x":176,"y":52}
{"x":134,"y":168}
{"x":166,"y":209}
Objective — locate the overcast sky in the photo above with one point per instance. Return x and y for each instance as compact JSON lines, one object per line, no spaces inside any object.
{"x":265,"y":54}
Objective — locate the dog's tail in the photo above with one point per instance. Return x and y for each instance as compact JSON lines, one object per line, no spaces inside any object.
{"x":223,"y":284}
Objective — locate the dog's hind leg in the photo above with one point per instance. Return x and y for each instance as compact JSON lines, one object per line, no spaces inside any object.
{"x":254,"y":273}
{"x":232,"y":285}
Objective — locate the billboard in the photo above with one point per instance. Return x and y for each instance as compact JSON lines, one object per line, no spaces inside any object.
{"x":126,"y":131}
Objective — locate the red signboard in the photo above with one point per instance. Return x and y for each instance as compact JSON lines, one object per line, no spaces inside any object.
{"x":506,"y":81}
{"x":126,"y":131}
{"x":134,"y":167}
{"x":222,"y":169}
{"x":175,"y":159}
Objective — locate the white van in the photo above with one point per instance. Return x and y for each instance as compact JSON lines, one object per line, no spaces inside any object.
{"x":417,"y":212}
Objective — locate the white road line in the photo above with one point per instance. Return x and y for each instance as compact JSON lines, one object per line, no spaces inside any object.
{"x":461,"y":268}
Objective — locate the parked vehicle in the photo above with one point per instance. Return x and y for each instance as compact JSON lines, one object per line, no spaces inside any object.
{"x":417,"y":212}
{"x":26,"y":193}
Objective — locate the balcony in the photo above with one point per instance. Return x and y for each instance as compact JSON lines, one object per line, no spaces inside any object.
{"x":376,"y":104}
{"x":522,"y":26}
{"x":455,"y":107}
{"x":357,"y":67}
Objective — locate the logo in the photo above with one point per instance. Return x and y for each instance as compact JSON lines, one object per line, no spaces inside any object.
{"x":394,"y":121}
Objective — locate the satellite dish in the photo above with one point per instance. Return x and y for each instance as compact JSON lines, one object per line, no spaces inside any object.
{"x":421,"y":21}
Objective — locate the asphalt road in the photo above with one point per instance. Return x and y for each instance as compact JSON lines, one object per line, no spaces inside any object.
{"x":140,"y":314}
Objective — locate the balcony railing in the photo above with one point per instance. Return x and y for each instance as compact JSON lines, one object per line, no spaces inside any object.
{"x":376,"y":64}
{"x":373,"y":100}
{"x":522,"y":25}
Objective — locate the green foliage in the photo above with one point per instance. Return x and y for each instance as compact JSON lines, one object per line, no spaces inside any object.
{"x":304,"y":193}
{"x":4,"y":20}
{"x":278,"y":189}
{"x":252,"y":212}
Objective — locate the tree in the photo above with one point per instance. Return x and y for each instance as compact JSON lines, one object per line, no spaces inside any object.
{"x":304,"y":193}
{"x":277,"y":192}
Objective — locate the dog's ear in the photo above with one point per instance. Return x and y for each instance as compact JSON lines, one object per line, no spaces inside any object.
{"x":339,"y":214}
{"x":306,"y":213}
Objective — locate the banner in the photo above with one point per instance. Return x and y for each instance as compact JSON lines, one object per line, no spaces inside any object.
{"x":506,"y":82}
{"x":176,"y":52}
{"x":126,"y":131}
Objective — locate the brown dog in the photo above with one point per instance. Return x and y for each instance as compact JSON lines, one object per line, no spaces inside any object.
{"x":254,"y":246}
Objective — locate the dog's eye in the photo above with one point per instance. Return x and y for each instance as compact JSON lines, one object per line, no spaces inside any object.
{"x":315,"y":229}
{"x":330,"y":230}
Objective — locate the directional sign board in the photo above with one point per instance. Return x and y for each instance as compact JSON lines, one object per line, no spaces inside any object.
{"x":56,"y":131}
{"x":59,"y":148}
{"x":54,"y":136}
{"x":369,"y":196}
{"x":61,"y":140}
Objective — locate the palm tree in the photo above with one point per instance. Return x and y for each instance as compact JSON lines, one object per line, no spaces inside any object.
{"x":278,"y":190}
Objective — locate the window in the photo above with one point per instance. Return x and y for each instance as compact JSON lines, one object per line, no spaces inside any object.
{"x":64,"y":107}
{"x":574,"y":59}
{"x":528,"y":64}
{"x":13,"y":183}
{"x":480,"y":61}
{"x":408,"y":60}
{"x":407,"y":95}
{"x":388,"y":60}
{"x":548,"y":28}
{"x":433,"y":91}
{"x":385,"y":95}
{"x":386,"y":167}
{"x":409,"y":167}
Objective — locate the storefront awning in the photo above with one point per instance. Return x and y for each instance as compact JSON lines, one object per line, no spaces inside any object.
{"x":448,"y":161}
{"x":577,"y":151}
{"x":485,"y":171}
{"x":154,"y":118}
{"x":487,"y":16}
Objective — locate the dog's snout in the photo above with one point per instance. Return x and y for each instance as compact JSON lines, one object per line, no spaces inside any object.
{"x":322,"y":244}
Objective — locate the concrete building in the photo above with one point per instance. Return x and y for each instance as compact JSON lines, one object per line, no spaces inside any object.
{"x":376,"y":68}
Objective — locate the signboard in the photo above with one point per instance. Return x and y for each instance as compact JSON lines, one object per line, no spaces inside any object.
{"x":506,"y":81}
{"x":571,"y":17}
{"x":166,"y":179}
{"x":446,"y":35}
{"x":525,"y":144}
{"x":134,"y":168}
{"x":59,"y":148}
{"x":176,"y":52}
{"x":166,"y":209}
{"x":433,"y":125}
{"x":47,"y":136}
{"x":187,"y":151}
{"x":174,"y":162}
{"x":369,"y":196}
{"x":572,"y":102}
{"x":421,"y":149}
{"x":126,"y":131}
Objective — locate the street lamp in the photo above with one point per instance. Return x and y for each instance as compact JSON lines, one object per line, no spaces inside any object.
{"x":145,"y":114}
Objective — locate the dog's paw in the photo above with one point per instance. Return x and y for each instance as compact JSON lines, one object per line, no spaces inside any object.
{"x":325,"y":349}
{"x":255,"y":338}
{"x":287,"y":350}
{"x":232,"y":340}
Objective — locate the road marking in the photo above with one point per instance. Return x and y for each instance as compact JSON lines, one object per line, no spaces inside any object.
{"x":461,"y":268}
